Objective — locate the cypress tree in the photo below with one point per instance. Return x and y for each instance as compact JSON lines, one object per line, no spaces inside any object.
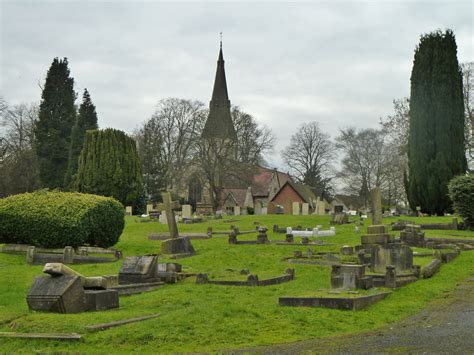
{"x":436,"y":133}
{"x":53,"y":131}
{"x":109,"y":165}
{"x":86,"y":120}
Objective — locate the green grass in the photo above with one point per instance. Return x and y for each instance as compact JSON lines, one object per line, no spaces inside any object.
{"x":212,"y":317}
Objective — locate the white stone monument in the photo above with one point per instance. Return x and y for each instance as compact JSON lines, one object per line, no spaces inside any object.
{"x":296,"y":208}
{"x":149,"y":207}
{"x":187,"y":211}
{"x":305,"y":209}
{"x":237,"y":210}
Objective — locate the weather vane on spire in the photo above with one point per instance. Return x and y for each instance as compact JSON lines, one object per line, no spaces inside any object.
{"x":221,"y":39}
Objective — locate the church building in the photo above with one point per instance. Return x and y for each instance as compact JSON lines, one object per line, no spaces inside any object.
{"x":216,"y":182}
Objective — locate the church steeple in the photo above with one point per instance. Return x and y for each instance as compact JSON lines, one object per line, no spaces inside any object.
{"x":219,"y":122}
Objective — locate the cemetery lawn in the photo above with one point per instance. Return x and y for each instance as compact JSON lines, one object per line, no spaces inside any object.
{"x":213,"y":317}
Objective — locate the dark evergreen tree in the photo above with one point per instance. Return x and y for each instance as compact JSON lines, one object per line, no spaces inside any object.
{"x":53,"y":131}
{"x":86,"y":120}
{"x":109,"y":165}
{"x":436,"y":132}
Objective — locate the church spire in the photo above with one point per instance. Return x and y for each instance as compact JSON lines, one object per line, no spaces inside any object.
{"x":219,"y":122}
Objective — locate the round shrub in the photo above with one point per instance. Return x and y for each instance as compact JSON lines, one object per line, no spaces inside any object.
{"x":461,"y":192}
{"x":53,"y":219}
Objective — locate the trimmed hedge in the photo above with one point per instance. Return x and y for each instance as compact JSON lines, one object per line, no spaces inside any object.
{"x":461,"y":192}
{"x":53,"y":219}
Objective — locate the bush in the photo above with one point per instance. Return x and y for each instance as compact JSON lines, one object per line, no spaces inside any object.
{"x":58,"y":219}
{"x":461,"y":192}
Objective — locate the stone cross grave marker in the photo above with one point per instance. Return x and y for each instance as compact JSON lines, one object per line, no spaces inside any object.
{"x":376,"y":206}
{"x":168,"y":205}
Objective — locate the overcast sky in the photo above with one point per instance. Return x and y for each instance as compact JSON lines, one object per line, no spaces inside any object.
{"x":340,"y":63}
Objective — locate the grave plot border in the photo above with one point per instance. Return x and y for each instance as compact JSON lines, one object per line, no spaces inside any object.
{"x":344,"y":303}
{"x":66,"y":255}
{"x":252,"y":280}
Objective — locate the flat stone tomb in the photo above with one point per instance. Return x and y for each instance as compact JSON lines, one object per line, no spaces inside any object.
{"x":252,"y":280}
{"x":344,"y":301}
{"x":66,"y":291}
{"x":67,"y":255}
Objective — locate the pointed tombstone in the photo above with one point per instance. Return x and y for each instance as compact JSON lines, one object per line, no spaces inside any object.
{"x":376,"y":206}
{"x":168,"y":205}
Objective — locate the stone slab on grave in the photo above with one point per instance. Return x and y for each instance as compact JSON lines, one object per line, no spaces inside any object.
{"x":346,"y":303}
{"x":339,"y":218}
{"x":101,"y":300}
{"x":139,"y":269}
{"x":181,"y":246}
{"x":128,"y":211}
{"x":61,"y":294}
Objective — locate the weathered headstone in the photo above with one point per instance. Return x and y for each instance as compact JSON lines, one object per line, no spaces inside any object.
{"x":305,"y":209}
{"x":187,"y":211}
{"x":376,"y":205}
{"x":128,"y":210}
{"x":61,"y":294}
{"x":149,"y":207}
{"x":139,"y":269}
{"x":237,"y":210}
{"x":350,"y":277}
{"x":163,"y":219}
{"x":296,"y":208}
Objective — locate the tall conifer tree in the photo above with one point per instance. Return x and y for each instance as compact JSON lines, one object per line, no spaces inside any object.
{"x":86,"y":120}
{"x":109,"y":165}
{"x":56,"y":118}
{"x":436,"y":135}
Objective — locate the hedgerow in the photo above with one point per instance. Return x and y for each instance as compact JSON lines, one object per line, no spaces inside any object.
{"x":54,"y":219}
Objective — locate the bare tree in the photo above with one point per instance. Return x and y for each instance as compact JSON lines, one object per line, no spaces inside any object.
{"x":253,"y":141}
{"x":309,"y":156}
{"x":397,"y":124}
{"x":363,"y":160}
{"x":18,"y":164}
{"x":168,"y":142}
{"x":468,"y":86}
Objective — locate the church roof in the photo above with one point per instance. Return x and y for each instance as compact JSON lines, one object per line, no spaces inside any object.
{"x":219,"y":122}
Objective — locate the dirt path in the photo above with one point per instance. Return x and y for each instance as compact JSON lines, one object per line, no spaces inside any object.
{"x":446,"y":328}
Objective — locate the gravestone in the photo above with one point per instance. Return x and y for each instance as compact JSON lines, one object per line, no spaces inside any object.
{"x":187,"y":211}
{"x":413,"y":236}
{"x":163,"y":219}
{"x":139,"y":269}
{"x":67,"y":291}
{"x":237,"y":210}
{"x":128,"y":210}
{"x":61,"y":294}
{"x":296,"y":208}
{"x":305,"y":209}
{"x":149,"y":208}
{"x":350,"y":277}
{"x":376,"y":205}
{"x":176,"y":244}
